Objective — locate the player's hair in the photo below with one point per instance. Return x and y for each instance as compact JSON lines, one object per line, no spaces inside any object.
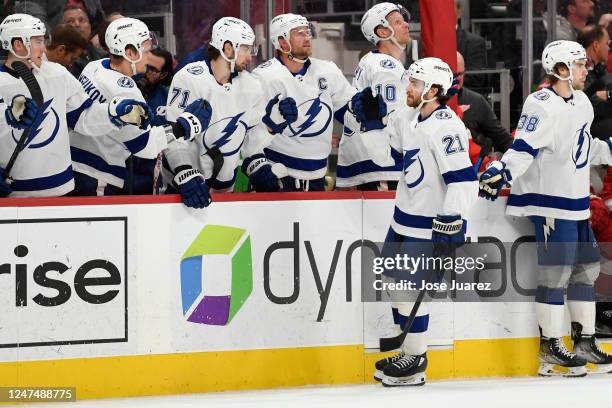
{"x":443,"y":99}
{"x":68,"y":36}
{"x":551,"y":79}
{"x":590,"y":34}
{"x":213,"y":53}
{"x":563,"y":5}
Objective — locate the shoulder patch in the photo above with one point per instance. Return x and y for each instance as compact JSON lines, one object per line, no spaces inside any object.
{"x":443,"y":114}
{"x":265,"y":64}
{"x":125,"y":82}
{"x":541,"y":95}
{"x":387,"y":63}
{"x":196,"y":70}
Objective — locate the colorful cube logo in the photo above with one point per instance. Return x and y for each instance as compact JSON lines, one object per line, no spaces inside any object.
{"x":216,"y":275}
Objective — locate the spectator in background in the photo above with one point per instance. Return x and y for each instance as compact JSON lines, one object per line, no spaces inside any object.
{"x":67,"y":45}
{"x":595,"y":40}
{"x":478,"y":115}
{"x":576,"y":15}
{"x":77,"y":18}
{"x":474,"y":49}
{"x":51,"y":11}
{"x":154,"y":87}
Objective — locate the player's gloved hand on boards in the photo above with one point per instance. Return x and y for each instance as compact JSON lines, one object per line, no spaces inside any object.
{"x":369,"y":110}
{"x":126,"y":111}
{"x":281,"y":114}
{"x":259,"y":171}
{"x":21,"y":113}
{"x":448,"y":233}
{"x":493,"y":179}
{"x":193,"y":188}
{"x":195,"y":118}
{"x":5,"y":188}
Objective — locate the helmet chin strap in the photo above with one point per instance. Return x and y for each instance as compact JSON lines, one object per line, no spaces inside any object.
{"x":133,"y":63}
{"x":394,"y":40}
{"x":232,"y":61}
{"x":568,"y":78}
{"x":292,"y":57}
{"x":27,"y":57}
{"x":423,"y":100}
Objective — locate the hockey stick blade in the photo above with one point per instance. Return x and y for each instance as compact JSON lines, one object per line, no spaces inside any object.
{"x":36,"y":93}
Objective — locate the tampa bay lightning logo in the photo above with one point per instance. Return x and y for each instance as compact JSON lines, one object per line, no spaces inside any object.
{"x":125,"y":82}
{"x":582,"y":147}
{"x":226,"y":134}
{"x":443,"y":114}
{"x":265,"y":64}
{"x":44,"y":129}
{"x":197,"y":70}
{"x":413,"y":168}
{"x":317,"y":117}
{"x":541,"y":96}
{"x":387,"y":63}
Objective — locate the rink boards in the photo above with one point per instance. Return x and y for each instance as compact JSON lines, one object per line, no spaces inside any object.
{"x":142,"y":296}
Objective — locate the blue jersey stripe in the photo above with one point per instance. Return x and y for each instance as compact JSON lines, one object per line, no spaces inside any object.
{"x":73,"y":117}
{"x":138,"y":143}
{"x":519,"y":145}
{"x":543,"y":200}
{"x":43,"y":183}
{"x":412,"y":221}
{"x":457,"y":176}
{"x":98,"y":163}
{"x":368,"y":166}
{"x":296,"y":162}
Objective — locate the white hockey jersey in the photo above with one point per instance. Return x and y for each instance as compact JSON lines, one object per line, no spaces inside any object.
{"x":437,"y":176}
{"x":236,"y":107}
{"x":366,"y":157}
{"x":319,"y":90}
{"x":550,"y":157}
{"x":44,"y":167}
{"x":103,"y":158}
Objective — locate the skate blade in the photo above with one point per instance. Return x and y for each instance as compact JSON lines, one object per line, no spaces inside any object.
{"x":413,"y":380}
{"x":555,"y":370}
{"x":594,"y":369}
{"x":378,"y":375}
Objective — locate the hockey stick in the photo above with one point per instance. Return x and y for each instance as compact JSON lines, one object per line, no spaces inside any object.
{"x":36,"y":93}
{"x":484,"y":151}
{"x":392,"y":343}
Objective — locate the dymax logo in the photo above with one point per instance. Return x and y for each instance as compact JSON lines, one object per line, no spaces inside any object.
{"x":216,"y":275}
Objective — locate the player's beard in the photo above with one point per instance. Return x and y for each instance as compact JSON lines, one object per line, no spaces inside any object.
{"x":302,"y":53}
{"x":415,"y":101}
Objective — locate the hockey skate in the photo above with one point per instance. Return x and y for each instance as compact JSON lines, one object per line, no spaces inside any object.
{"x":556,"y":360}
{"x":408,"y":370}
{"x":381,"y":364}
{"x":587,"y":347}
{"x":603,"y":319}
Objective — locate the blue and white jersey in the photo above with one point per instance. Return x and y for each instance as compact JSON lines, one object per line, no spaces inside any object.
{"x":103,"y":158}
{"x":437,"y":176}
{"x":366,"y":157}
{"x":319,"y":90}
{"x":44,"y":167}
{"x":236,"y":107}
{"x":550,"y":157}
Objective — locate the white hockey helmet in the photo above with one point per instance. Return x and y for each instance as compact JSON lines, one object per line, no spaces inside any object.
{"x":23,"y":27}
{"x":281,"y":26}
{"x":432,"y":71}
{"x":562,"y":52}
{"x":127,"y":31}
{"x":237,"y":33}
{"x":377,"y":16}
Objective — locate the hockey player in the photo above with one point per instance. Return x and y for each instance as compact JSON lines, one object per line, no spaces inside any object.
{"x":43,"y":168}
{"x":437,"y":186}
{"x":364,"y":158}
{"x":548,"y":169}
{"x":238,"y":105}
{"x":100,"y":162}
{"x":320,"y":90}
